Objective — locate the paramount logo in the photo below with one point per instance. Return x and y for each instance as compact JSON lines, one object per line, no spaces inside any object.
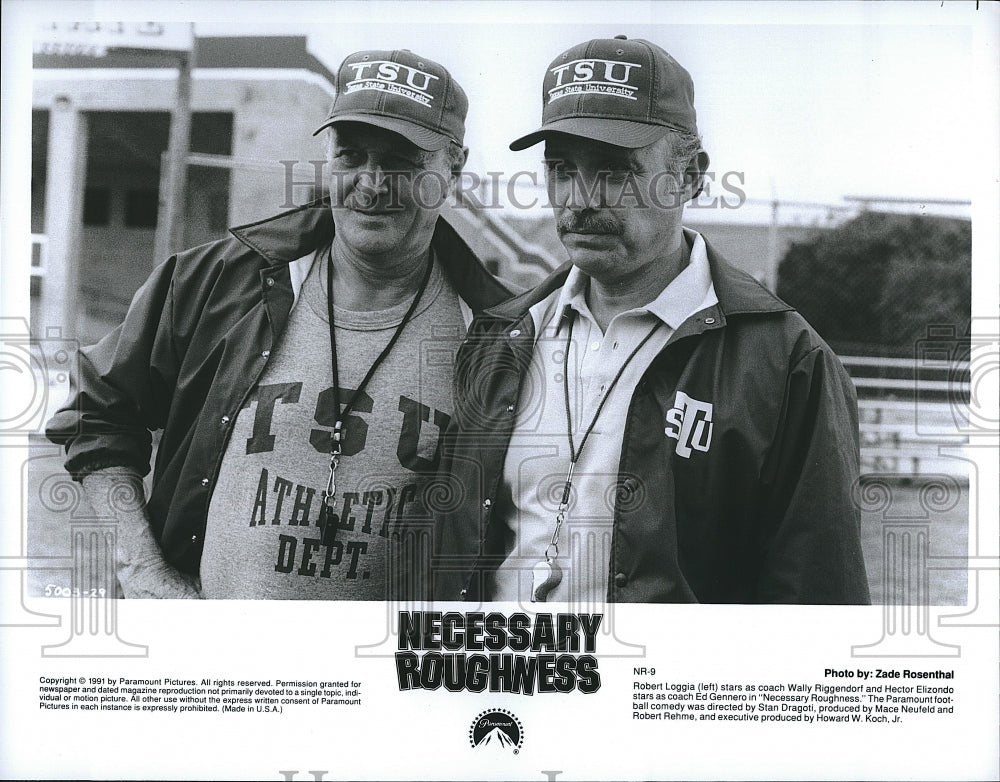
{"x":497,"y":728}
{"x":394,"y":77}
{"x":607,"y":77}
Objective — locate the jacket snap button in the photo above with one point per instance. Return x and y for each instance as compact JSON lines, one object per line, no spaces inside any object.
{"x":487,"y":503}
{"x":266,"y":353}
{"x":463,"y":593}
{"x":515,"y":333}
{"x":269,"y":281}
{"x":510,"y":408}
{"x":709,"y":321}
{"x":194,"y":538}
{"x":225,"y":420}
{"x":205,"y":481}
{"x":620,"y":579}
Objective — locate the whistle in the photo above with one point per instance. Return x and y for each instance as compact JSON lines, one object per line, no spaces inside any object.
{"x":545,"y":577}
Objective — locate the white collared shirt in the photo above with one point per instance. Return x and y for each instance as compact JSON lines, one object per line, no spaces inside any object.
{"x":538,"y":457}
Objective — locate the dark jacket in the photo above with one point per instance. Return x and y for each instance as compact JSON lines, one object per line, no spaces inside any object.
{"x":194,"y":343}
{"x":764,"y":515}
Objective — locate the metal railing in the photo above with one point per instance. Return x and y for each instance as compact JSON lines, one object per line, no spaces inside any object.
{"x":912,"y":415}
{"x":39,"y":259}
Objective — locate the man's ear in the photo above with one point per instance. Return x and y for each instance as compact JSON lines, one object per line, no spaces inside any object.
{"x":458,"y":166}
{"x":694,"y":175}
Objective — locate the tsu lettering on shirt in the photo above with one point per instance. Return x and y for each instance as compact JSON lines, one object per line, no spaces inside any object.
{"x":264,"y":537}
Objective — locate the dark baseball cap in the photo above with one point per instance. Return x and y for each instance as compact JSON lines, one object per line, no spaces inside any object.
{"x":402,"y":92}
{"x":623,"y":92}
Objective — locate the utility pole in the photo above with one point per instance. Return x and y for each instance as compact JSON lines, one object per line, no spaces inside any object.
{"x":771,"y":273}
{"x":173,"y":174}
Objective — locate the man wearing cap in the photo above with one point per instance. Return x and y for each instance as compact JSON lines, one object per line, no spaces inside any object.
{"x":648,"y":424}
{"x":300,"y":370}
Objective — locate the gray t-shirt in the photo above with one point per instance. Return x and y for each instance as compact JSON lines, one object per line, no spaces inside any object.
{"x":263,"y":538}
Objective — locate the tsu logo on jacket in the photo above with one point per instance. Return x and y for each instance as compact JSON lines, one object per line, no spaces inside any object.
{"x":689,"y":422}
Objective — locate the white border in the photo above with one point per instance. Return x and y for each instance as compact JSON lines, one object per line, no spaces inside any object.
{"x":423,"y":735}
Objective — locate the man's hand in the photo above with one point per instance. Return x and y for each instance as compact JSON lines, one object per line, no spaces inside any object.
{"x":156,"y":580}
{"x":118,"y":493}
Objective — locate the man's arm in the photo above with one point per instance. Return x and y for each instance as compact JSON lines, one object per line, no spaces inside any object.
{"x":122,"y":387}
{"x":120,"y":392}
{"x":812,"y":538}
{"x":118,"y":493}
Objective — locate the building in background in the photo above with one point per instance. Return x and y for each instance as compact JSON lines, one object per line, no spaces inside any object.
{"x":100,"y":128}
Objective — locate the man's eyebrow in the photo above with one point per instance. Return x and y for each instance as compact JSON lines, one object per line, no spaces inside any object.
{"x":415,"y":152}
{"x":628,"y":162}
{"x":400,"y":150}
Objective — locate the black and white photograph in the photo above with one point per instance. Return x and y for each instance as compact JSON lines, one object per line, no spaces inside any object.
{"x":341,"y":337}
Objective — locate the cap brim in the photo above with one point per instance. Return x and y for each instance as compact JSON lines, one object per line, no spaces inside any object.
{"x":618,"y":132}
{"x":426,"y":139}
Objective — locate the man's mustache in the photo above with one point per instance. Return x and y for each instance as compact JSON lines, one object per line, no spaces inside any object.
{"x":588,"y":224}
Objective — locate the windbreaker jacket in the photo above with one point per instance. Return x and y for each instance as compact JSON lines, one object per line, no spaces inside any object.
{"x":752,"y":506}
{"x":195,"y":341}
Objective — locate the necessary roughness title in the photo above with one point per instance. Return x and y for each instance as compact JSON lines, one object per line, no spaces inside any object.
{"x":475,"y":652}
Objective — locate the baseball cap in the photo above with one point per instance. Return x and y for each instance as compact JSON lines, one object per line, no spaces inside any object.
{"x":623,"y":92}
{"x":402,"y":92}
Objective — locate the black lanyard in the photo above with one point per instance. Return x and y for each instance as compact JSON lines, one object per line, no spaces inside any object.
{"x":547,"y":574}
{"x":339,"y":433}
{"x":574,"y":453}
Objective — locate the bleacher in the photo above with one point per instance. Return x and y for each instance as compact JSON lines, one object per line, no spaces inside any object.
{"x":913,"y":415}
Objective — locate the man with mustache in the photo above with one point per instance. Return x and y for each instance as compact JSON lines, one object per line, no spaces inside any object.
{"x":300,"y":370}
{"x":648,"y":424}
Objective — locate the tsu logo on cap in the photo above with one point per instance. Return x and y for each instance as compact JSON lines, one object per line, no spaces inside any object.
{"x":402,"y":92}
{"x":394,"y":77}
{"x":621,"y":92}
{"x":590,"y":75}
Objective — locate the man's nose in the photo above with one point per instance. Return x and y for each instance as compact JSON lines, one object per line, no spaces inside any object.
{"x":374,"y":175}
{"x":585,"y":191}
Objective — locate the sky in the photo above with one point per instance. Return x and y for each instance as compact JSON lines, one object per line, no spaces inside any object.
{"x":818,"y":136}
{"x":805,"y":110}
{"x":809,"y":101}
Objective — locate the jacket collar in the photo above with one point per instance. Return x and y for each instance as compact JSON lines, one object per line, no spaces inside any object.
{"x":288,"y":236}
{"x":738,"y":292}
